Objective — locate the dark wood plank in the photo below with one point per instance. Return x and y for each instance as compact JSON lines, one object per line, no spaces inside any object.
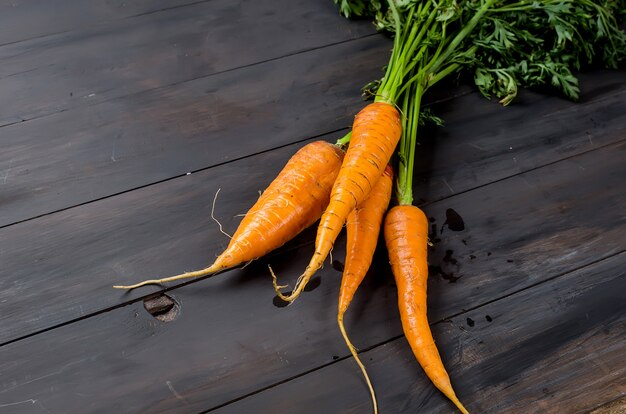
{"x":109,"y":221}
{"x":77,"y":156}
{"x":555,"y":348}
{"x":144,"y":150}
{"x":105,"y":61}
{"x":229,"y":338}
{"x":537,"y":129}
{"x":27,"y":19}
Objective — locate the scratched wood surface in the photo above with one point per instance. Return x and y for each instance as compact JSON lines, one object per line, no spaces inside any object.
{"x":526,"y":205}
{"x":247,"y":343}
{"x":114,"y":58}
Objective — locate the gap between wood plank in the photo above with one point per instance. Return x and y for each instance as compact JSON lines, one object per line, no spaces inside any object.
{"x":165,"y":9}
{"x":451,"y":97}
{"x":171,"y":288}
{"x":102,"y":22}
{"x":34,"y":38}
{"x":617,"y":143}
{"x":171,"y":178}
{"x":169,"y":85}
{"x":397,"y":337}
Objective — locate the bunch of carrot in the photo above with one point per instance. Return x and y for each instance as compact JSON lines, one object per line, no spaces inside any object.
{"x":432,"y":40}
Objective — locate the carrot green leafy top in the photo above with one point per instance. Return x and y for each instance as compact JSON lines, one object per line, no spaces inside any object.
{"x":505,"y":44}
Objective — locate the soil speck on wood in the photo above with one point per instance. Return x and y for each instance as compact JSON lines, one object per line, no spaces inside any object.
{"x":454,"y":221}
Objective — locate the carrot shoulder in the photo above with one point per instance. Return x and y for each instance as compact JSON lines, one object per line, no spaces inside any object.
{"x":375,"y":133}
{"x":292,"y":202}
{"x":406,"y":236}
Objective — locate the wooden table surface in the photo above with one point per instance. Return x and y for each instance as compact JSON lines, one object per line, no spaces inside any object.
{"x":121,"y":119}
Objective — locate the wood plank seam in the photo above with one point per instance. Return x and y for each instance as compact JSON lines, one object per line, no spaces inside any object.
{"x":34,"y":38}
{"x":165,"y":9}
{"x":169,"y":85}
{"x":103,"y":21}
{"x":616,"y":144}
{"x":180,"y":285}
{"x":282,"y":251}
{"x":438,"y":322}
{"x":317,"y":136}
{"x":198,"y":170}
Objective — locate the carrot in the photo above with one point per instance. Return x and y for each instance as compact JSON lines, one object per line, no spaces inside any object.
{"x":292,"y":202}
{"x":406,"y":237}
{"x":362,"y":227}
{"x":375,"y":134}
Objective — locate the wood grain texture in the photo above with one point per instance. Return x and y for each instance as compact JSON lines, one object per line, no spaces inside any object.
{"x":554,"y":348}
{"x":82,"y":166}
{"x":119,"y":97}
{"x":539,"y":128}
{"x":614,"y":407}
{"x":26,"y":19}
{"x":113,"y":59}
{"x":117,"y":240}
{"x":77,"y":156}
{"x":118,"y":229}
{"x":229,"y":339}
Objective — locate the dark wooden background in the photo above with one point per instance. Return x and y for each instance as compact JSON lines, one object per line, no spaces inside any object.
{"x":119,"y":121}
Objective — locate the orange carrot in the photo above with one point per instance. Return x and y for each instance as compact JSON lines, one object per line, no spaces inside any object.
{"x":292,"y":202}
{"x":406,"y":236}
{"x":362,"y":228}
{"x":375,"y":134}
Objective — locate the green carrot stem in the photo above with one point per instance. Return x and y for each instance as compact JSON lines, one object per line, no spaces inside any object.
{"x":385,"y":93}
{"x":460,"y":36}
{"x":345,"y":140}
{"x":404,"y":186}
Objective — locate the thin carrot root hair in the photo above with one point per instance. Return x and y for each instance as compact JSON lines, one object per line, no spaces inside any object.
{"x":277,"y":287}
{"x":362,"y":230}
{"x":293,"y":201}
{"x":301,"y":283}
{"x":375,"y":134}
{"x":198,"y":273}
{"x":213,"y":215}
{"x":355,"y":355}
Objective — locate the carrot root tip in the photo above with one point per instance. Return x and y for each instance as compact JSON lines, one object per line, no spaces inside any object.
{"x":277,"y":287}
{"x":138,"y":285}
{"x":355,"y":355}
{"x":215,"y":267}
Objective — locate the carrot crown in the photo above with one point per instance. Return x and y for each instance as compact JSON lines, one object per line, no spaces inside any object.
{"x":423,"y":54}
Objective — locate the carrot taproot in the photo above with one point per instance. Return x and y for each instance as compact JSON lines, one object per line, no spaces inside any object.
{"x":375,"y":133}
{"x":406,"y":237}
{"x":362,"y":229}
{"x":293,"y":201}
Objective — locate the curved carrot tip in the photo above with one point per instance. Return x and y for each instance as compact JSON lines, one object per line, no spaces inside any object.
{"x":355,"y":355}
{"x":459,"y":405}
{"x":135,"y":286}
{"x":301,"y":283}
{"x":278,"y":287}
{"x":215,"y":267}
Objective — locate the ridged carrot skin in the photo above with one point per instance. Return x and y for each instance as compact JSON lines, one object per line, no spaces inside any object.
{"x":406,"y":237}
{"x":362,"y":228}
{"x":292,"y":202}
{"x":375,"y":133}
